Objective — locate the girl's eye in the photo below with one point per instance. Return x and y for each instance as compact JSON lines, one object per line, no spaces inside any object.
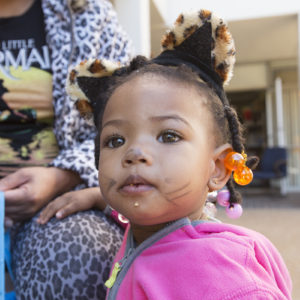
{"x":169,"y":136}
{"x":114,"y":141}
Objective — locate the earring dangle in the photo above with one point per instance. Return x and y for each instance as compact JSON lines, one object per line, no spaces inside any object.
{"x":210,"y":208}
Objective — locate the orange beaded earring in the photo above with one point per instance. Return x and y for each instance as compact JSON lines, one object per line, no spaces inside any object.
{"x":236,"y":162}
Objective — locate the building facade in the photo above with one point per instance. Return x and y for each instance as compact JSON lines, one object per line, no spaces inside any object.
{"x":265,"y":86}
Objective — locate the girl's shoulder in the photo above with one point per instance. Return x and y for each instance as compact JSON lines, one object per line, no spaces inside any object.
{"x":236,"y":256}
{"x":233,"y":241}
{"x":212,"y":233}
{"x":218,"y":231}
{"x":204,"y":254}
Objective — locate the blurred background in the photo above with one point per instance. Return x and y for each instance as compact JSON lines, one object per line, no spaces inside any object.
{"x":265,"y":93}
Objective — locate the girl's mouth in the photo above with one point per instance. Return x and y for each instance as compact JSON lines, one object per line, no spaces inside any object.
{"x":134,"y":185}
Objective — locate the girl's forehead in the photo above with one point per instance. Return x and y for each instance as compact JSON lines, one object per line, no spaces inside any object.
{"x":149,"y":96}
{"x":153,"y":79}
{"x":150,"y":90}
{"x":153,"y":85}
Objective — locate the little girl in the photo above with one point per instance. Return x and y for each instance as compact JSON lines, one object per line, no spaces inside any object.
{"x":167,"y":137}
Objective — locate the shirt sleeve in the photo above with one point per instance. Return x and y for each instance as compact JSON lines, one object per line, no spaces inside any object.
{"x":75,"y":136}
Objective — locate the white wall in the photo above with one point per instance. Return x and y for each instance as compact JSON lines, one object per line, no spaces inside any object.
{"x":249,"y":77}
{"x":134,"y":16}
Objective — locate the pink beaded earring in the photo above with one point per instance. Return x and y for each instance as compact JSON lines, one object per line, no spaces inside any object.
{"x":233,"y":210}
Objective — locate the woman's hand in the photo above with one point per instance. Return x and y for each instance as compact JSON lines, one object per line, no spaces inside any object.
{"x":27,"y":190}
{"x":72,"y":202}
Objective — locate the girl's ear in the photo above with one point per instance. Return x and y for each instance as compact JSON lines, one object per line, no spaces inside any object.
{"x":220,"y":174}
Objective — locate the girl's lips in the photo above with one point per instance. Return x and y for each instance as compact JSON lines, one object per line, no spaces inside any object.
{"x":134,"y":185}
{"x":134,"y":189}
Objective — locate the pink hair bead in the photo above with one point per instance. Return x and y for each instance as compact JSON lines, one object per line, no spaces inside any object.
{"x":234,"y":211}
{"x":223,"y":198}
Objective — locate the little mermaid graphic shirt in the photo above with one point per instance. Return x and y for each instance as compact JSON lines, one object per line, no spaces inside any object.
{"x":26,"y":113}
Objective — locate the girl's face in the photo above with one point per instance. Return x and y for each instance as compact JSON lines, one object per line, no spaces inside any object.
{"x":157,"y":151}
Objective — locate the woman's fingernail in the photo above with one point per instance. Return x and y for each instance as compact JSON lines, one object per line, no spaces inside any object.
{"x":59,"y":214}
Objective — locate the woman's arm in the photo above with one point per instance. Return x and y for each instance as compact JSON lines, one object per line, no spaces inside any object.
{"x":102,"y":38}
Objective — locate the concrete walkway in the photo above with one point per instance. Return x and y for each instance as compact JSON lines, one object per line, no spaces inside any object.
{"x":278,"y":218}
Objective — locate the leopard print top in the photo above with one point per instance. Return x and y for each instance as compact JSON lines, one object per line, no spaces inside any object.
{"x":77,"y":30}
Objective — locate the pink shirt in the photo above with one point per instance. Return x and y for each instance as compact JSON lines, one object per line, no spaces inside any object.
{"x":201,"y":260}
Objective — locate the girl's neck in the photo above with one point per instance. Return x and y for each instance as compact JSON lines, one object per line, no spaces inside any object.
{"x":14,"y":8}
{"x":142,"y":232}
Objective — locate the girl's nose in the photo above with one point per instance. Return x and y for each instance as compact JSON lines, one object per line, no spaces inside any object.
{"x":136,"y":156}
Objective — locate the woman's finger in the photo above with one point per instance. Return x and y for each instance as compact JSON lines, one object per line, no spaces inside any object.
{"x":51,"y":209}
{"x":69,"y":209}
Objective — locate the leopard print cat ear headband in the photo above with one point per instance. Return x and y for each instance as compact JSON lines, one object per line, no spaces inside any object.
{"x":198,"y":39}
{"x":202,"y":41}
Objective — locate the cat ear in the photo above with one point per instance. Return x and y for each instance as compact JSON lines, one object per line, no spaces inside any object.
{"x":204,"y":36}
{"x":87,"y":81}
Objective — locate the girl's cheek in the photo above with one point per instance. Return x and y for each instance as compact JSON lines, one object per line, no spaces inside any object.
{"x":103,"y":162}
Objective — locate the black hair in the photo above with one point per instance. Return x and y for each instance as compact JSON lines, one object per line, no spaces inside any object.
{"x":226,"y":126}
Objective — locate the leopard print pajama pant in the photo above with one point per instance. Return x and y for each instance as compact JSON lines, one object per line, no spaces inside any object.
{"x":65,"y":259}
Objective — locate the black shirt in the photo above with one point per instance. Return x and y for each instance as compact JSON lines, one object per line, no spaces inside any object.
{"x":26,"y":113}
